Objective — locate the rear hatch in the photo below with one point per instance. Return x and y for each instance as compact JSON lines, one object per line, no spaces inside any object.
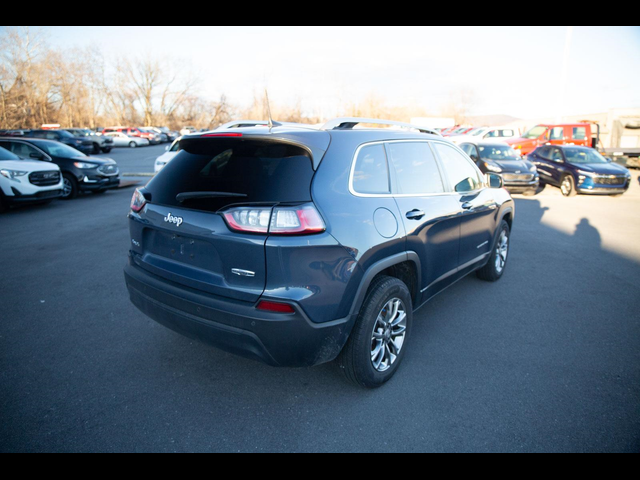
{"x":184,"y":235}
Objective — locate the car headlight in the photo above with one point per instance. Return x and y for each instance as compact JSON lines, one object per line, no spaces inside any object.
{"x":85,"y":166}
{"x":492,"y":168}
{"x":12,"y":174}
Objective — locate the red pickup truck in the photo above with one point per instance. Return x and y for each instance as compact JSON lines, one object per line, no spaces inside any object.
{"x":560,"y":134}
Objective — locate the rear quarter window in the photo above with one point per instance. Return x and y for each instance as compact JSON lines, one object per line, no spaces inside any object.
{"x":371,"y":172}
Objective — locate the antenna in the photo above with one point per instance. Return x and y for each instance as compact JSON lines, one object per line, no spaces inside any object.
{"x":266,"y":95}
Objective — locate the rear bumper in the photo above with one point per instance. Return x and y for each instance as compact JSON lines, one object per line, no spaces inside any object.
{"x":290,"y":340}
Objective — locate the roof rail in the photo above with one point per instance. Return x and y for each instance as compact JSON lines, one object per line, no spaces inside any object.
{"x":247,"y":123}
{"x":348,"y":123}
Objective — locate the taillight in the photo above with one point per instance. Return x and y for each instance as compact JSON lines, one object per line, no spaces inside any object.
{"x":299,"y":220}
{"x":275,"y":307}
{"x":296,"y":221}
{"x":254,"y":220}
{"x":138,"y":201}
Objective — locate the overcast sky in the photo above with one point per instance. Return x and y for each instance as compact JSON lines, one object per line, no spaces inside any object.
{"x":516,"y":71}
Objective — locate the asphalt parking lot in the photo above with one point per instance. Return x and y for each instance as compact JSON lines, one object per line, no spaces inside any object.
{"x":136,"y":160}
{"x":546,"y":360}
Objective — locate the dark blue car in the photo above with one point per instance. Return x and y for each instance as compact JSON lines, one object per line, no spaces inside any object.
{"x":579,"y":170}
{"x":295,"y":246}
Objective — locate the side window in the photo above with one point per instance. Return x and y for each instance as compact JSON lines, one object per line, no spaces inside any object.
{"x":23,"y":150}
{"x":544,"y":152}
{"x":556,"y":155}
{"x":415,"y":168}
{"x":463,"y":176}
{"x":579,"y":133}
{"x":470,"y":150}
{"x":371,"y":173}
{"x":557,"y":133}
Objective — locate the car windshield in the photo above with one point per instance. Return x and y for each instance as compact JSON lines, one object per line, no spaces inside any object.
{"x":535,"y":132}
{"x":477,"y":131}
{"x":64,"y":133}
{"x":7,"y":155}
{"x":60,"y":150}
{"x":498,"y":152}
{"x":583,"y":155}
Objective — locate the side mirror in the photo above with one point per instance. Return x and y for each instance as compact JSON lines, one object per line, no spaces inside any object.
{"x":494,"y":180}
{"x":474,"y":157}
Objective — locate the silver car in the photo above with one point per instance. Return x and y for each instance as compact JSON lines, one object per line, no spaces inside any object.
{"x":122,"y":140}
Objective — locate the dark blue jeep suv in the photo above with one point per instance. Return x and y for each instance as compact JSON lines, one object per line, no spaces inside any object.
{"x":296,"y":246}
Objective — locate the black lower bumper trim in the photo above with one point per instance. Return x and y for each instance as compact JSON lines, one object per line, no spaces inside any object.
{"x":290,"y":340}
{"x":106,"y":184}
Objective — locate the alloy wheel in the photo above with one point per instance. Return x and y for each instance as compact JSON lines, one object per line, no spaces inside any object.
{"x":389,"y":333}
{"x":502,"y":251}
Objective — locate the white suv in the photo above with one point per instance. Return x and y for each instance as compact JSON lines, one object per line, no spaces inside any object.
{"x":23,"y":181}
{"x":166,"y":157}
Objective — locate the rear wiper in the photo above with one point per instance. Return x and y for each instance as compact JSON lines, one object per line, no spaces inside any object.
{"x":182,"y":197}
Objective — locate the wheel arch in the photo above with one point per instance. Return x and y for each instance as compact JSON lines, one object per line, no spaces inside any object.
{"x":405,"y":266}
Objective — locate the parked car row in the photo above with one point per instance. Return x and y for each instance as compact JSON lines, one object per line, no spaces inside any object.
{"x":100,"y":140}
{"x":573,"y":168}
{"x":40,"y":170}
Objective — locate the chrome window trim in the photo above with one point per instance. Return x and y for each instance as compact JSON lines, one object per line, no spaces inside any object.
{"x":444,"y":177}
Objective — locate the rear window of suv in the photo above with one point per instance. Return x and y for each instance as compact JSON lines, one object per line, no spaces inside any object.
{"x":254,"y":172}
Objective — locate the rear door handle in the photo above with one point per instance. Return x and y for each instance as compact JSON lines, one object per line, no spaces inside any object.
{"x":415,"y":214}
{"x":467,"y":206}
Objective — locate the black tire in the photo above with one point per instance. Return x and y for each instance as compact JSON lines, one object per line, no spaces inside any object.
{"x":96,"y":148}
{"x":133,"y":144}
{"x":106,"y":150}
{"x":568,"y":186}
{"x":357,"y":358}
{"x":495,"y":267}
{"x":70,"y":189}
